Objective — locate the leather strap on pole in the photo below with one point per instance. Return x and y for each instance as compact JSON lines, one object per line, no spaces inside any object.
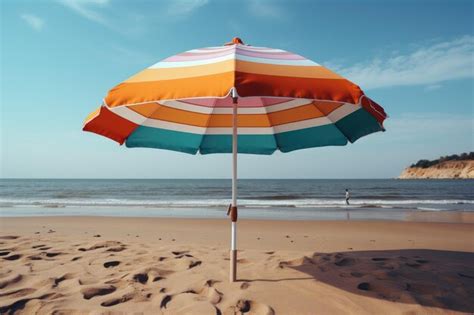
{"x":232,"y":211}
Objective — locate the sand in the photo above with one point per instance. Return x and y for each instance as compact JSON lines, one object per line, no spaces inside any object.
{"x":96,"y":265}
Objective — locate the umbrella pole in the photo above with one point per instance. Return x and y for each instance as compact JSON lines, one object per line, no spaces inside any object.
{"x":233,"y":210}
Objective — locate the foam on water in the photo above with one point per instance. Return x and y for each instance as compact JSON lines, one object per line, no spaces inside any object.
{"x":282,"y":195}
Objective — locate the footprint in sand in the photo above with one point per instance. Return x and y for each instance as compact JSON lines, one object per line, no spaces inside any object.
{"x":345,"y":262}
{"x":413,"y":264}
{"x":89,"y":293}
{"x":164,"y":302}
{"x":10,"y":280}
{"x":357,"y":274}
{"x":157,"y":278}
{"x":58,"y":280}
{"x":141,"y":278}
{"x":20,"y":304}
{"x":246,"y":306}
{"x":110,"y":264}
{"x":364,"y":286}
{"x":196,"y":301}
{"x":52,"y":254}
{"x":194,"y":264}
{"x":115,"y":301}
{"x":244,"y":285}
{"x":9,"y":237}
{"x":18,"y":293}
{"x":12,"y":257}
{"x":110,"y":245}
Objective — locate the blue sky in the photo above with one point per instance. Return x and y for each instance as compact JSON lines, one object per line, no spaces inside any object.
{"x":59,"y":59}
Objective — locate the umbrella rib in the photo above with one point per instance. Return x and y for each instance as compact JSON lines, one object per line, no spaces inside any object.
{"x":207,"y":122}
{"x":333,"y":122}
{"x":146,"y":118}
{"x":271,"y":125}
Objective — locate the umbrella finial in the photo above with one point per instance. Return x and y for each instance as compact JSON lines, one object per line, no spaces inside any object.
{"x":235,"y":41}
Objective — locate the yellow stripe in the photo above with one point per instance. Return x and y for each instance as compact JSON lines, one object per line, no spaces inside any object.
{"x":233,"y":65}
{"x":185,"y":72}
{"x":165,"y":113}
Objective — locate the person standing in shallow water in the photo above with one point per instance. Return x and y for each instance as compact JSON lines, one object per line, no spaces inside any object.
{"x":348,"y":196}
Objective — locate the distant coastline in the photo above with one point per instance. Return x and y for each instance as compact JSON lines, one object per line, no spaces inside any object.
{"x":448,"y":167}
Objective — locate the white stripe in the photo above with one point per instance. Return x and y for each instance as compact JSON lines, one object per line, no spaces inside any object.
{"x":179,"y":64}
{"x":342,"y":112}
{"x":261,"y":49}
{"x":242,"y":110}
{"x":231,"y":56}
{"x":333,"y":117}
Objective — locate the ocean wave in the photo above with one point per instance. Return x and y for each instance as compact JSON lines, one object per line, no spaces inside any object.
{"x":250,"y":203}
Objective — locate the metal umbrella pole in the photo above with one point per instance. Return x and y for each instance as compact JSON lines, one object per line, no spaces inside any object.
{"x":233,"y":207}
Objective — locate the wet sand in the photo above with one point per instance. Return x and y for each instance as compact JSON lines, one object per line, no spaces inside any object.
{"x":82,"y":265}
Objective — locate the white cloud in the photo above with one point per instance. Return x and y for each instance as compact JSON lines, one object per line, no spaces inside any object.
{"x":264,"y":9}
{"x":433,"y":126}
{"x":429,"y":66}
{"x":433,"y":87}
{"x":185,"y":7}
{"x":34,"y":21}
{"x":88,"y":9}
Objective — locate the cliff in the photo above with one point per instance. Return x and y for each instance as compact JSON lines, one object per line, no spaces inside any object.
{"x":446,"y":169}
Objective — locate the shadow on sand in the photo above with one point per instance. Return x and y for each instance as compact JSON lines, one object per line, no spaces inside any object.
{"x":433,"y":278}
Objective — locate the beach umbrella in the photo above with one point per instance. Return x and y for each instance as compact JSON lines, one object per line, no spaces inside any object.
{"x":234,"y":99}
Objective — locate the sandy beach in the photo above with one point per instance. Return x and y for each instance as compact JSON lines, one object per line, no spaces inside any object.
{"x":95,"y":265}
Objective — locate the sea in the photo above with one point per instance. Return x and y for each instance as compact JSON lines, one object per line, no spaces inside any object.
{"x":295,"y":199}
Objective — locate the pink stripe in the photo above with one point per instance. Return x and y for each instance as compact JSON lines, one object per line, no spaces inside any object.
{"x":205,"y":51}
{"x":191,"y":57}
{"x":270,"y":55}
{"x":204,"y":56}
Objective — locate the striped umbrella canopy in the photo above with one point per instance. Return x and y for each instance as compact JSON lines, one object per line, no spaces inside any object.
{"x":199,"y":100}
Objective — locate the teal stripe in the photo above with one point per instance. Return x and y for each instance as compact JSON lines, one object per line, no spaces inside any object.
{"x":148,"y":137}
{"x":358,"y":124}
{"x":309,"y":138}
{"x":351,"y":127}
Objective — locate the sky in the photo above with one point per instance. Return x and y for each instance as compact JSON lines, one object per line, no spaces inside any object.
{"x":59,"y":58}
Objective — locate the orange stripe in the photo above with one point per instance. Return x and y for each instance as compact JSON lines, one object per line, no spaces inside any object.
{"x":231,"y":65}
{"x":92,"y":115}
{"x":125,"y":93}
{"x":286,"y":71}
{"x":340,"y":90}
{"x":247,"y":84}
{"x":162,"y":112}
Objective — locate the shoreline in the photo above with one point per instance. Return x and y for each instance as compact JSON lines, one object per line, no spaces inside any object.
{"x":263,"y":214}
{"x":175,"y":266}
